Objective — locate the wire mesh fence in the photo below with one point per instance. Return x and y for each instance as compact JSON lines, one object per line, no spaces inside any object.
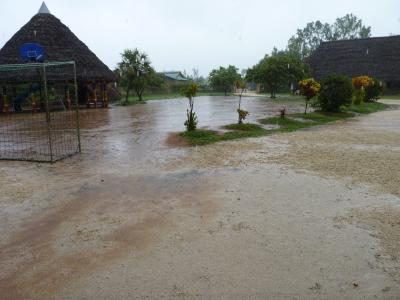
{"x":39,"y":116}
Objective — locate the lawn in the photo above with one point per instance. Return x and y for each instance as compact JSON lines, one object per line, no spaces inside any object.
{"x":299,"y":121}
{"x":391,"y":97}
{"x":203,"y":137}
{"x":291,"y":122}
{"x":367,"y":108}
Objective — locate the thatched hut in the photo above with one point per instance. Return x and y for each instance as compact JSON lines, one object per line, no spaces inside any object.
{"x":378,"y":57}
{"x":60,"y":44}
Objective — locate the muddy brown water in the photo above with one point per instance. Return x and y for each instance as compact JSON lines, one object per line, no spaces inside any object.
{"x":139,"y":129}
{"x":131,"y":218}
{"x":138,"y":133}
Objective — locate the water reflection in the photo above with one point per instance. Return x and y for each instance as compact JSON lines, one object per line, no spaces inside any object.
{"x":139,"y":132}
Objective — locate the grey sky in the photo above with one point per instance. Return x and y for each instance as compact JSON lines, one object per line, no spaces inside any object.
{"x":203,"y":34}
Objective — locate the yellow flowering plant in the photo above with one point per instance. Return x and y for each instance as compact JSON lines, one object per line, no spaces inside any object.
{"x":360,"y":83}
{"x":242,"y":115}
{"x":309,"y":88}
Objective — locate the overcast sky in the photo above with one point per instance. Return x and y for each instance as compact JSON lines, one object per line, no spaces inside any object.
{"x":202,"y":34}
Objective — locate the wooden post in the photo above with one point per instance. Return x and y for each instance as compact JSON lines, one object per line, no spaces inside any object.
{"x":95,"y":95}
{"x":5,"y":100}
{"x":68,"y":97}
{"x":88,"y":96}
{"x":105,"y":96}
{"x":33,"y":102}
{"x":33,"y":99}
{"x":77,"y":110}
{"x":46,"y":99}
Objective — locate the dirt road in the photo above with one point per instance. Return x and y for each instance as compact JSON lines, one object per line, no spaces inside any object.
{"x":310,"y":214}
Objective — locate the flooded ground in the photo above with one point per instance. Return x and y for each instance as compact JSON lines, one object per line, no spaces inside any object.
{"x":310,"y":214}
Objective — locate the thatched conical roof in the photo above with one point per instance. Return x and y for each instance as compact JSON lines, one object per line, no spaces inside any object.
{"x":378,"y":57}
{"x":59,"y":44}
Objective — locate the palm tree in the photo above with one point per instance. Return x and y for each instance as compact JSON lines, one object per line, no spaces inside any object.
{"x":135,"y":72}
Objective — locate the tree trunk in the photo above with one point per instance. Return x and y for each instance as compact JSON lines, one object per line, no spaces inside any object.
{"x":127,"y":95}
{"x":240,"y":100}
{"x":226,"y":92}
{"x":139,"y":94}
{"x":273,"y":92}
{"x":305,"y":112}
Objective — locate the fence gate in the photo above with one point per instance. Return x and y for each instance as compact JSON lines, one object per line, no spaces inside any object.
{"x":39,"y":115}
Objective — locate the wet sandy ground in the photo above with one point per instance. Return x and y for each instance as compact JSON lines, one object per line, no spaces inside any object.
{"x":311,"y":214}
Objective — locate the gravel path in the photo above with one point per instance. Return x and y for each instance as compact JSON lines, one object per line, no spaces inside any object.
{"x":307,"y":215}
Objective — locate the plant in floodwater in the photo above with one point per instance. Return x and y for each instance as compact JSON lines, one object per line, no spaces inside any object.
{"x":241,"y":85}
{"x":242,"y":115}
{"x":283,"y":112}
{"x":190,"y":92}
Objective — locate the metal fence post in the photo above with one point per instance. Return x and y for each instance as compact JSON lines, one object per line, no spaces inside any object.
{"x":46,"y":97}
{"x":77,"y":110}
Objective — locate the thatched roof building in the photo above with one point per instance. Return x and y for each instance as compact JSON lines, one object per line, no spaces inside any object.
{"x":59,"y":44}
{"x":377,"y":57}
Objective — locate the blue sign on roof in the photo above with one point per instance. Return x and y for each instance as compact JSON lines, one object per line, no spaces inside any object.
{"x":31,"y":52}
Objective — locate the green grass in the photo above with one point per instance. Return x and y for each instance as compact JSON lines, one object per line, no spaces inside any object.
{"x":322,"y":118}
{"x":244,"y":127}
{"x":203,"y":137}
{"x":391,"y":97}
{"x":367,"y":108}
{"x":291,"y":122}
{"x":286,"y":124}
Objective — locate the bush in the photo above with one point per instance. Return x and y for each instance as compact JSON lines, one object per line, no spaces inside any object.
{"x":335,"y":92}
{"x":373,"y":92}
{"x":359,"y":96}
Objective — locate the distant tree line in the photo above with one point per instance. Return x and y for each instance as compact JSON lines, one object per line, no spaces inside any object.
{"x":276,"y":71}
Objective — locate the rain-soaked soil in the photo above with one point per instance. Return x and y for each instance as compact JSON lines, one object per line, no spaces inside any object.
{"x":310,"y":214}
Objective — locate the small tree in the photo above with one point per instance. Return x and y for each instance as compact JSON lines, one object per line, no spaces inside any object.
{"x":241,"y":84}
{"x":223,"y":79}
{"x":335,"y":92}
{"x":136,"y":73}
{"x":190,"y":92}
{"x":309,"y":88}
{"x":276,"y":71}
{"x":360,"y":83}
